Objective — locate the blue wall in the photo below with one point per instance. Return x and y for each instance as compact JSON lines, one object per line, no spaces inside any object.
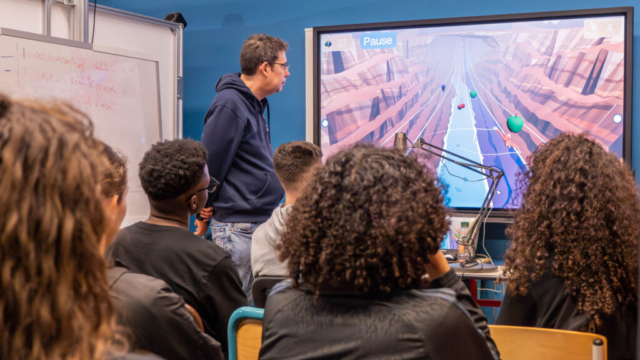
{"x":217,"y":29}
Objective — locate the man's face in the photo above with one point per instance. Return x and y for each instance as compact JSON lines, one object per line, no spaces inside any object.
{"x":198,"y":194}
{"x":202,"y":195}
{"x":277,"y":77}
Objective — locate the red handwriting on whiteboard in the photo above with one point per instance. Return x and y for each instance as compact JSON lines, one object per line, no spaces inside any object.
{"x":44,"y":76}
{"x":86,"y":100}
{"x":57,"y":59}
{"x":101,"y":66}
{"x":88,"y":81}
{"x":48,"y":78}
{"x":106,"y":88}
{"x":82,"y":80}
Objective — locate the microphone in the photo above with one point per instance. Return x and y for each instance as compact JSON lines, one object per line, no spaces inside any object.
{"x":400,"y":142}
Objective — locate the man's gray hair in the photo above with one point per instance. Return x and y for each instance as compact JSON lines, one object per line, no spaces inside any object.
{"x":260,"y":48}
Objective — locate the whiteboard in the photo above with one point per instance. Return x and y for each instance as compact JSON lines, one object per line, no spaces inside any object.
{"x":117,"y":32}
{"x":119,"y":93}
{"x":150,"y":39}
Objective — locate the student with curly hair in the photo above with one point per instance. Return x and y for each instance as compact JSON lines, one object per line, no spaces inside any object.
{"x":359,"y":240}
{"x":156,"y":317}
{"x":175,"y":178}
{"x":54,"y":295}
{"x":573,"y":262}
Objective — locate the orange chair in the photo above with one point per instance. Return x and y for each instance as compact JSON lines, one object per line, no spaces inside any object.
{"x":196,"y":317}
{"x":527,"y":343}
{"x":245,"y":333}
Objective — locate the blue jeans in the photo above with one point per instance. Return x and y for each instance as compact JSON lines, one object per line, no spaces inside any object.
{"x":236,"y":239}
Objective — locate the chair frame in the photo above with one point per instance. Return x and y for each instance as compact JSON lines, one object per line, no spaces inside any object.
{"x":260,"y":285}
{"x":245,"y":312}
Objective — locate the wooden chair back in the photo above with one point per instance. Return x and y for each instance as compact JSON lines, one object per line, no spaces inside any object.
{"x":196,"y":317}
{"x":249,"y":339}
{"x":527,"y":343}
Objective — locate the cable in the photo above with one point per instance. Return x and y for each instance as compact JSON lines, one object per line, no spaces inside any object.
{"x":495,"y":297}
{"x":460,"y":177}
{"x":493,"y":290}
{"x":93,"y":33}
{"x":484,"y":234}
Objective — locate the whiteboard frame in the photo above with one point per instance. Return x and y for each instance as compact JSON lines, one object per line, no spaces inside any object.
{"x":177,"y":30}
{"x":100,"y":49}
{"x":45,"y":38}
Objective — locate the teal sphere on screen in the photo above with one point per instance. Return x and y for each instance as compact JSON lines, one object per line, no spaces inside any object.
{"x":515,"y":123}
{"x":473,"y":94}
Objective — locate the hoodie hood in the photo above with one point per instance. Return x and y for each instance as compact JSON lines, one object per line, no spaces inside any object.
{"x":234,"y":82}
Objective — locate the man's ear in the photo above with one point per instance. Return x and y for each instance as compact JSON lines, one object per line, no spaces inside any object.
{"x":113,"y":203}
{"x":193,"y":202}
{"x":265,"y":68}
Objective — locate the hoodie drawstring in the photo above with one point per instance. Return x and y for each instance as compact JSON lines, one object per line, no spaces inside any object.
{"x":268,"y":120}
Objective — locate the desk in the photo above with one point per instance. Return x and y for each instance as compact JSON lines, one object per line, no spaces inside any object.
{"x":472,"y":277}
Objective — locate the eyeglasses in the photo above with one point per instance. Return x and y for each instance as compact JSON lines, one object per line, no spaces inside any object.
{"x":211,"y":188}
{"x":285,"y":65}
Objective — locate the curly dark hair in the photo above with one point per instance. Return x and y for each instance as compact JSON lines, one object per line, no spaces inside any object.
{"x":367,"y":222}
{"x":172,"y":167}
{"x":580,"y":213}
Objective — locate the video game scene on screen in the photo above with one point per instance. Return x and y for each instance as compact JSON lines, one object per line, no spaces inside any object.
{"x":491,"y":92}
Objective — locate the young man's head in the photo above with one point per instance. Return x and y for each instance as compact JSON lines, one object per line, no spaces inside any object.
{"x":294,"y":163}
{"x":367,"y":223}
{"x":263,"y":59}
{"x":175,"y":177}
{"x":114,"y":191}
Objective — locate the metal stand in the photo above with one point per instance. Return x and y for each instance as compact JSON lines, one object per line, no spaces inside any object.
{"x":490,"y":172}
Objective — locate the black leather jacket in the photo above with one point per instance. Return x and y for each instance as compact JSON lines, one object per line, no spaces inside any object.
{"x":157,"y":318}
{"x":441,"y":322}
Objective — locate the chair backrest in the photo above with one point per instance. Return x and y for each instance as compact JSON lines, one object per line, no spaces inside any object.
{"x":196,"y":317}
{"x":249,"y":339}
{"x":261,"y":287}
{"x":527,"y":343}
{"x":245,"y":333}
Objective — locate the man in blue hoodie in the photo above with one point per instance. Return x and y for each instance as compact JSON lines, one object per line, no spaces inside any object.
{"x":238,"y":143}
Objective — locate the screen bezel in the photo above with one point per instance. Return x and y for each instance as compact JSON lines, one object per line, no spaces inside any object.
{"x":627,"y":12}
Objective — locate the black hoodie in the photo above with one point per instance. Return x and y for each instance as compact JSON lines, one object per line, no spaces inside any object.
{"x":240,"y":155}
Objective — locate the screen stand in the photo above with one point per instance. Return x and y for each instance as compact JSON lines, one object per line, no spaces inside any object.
{"x":478,"y":268}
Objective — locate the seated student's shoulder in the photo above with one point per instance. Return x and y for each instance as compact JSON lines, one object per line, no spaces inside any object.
{"x":281,"y":294}
{"x":432,"y":300}
{"x":203,"y":246}
{"x":443,"y":320}
{"x":140,"y":294}
{"x":171,"y":238}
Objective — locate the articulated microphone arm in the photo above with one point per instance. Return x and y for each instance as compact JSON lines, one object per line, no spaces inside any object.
{"x":490,"y":172}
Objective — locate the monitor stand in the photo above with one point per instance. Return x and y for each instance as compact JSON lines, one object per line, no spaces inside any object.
{"x":478,"y":268}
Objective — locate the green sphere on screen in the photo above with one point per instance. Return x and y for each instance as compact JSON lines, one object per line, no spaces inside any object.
{"x":515,"y":123}
{"x":473,"y":94}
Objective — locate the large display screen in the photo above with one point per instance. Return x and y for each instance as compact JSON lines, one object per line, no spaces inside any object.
{"x":489,"y":91}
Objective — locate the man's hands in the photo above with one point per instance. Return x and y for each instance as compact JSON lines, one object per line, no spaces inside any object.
{"x":203,"y":225}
